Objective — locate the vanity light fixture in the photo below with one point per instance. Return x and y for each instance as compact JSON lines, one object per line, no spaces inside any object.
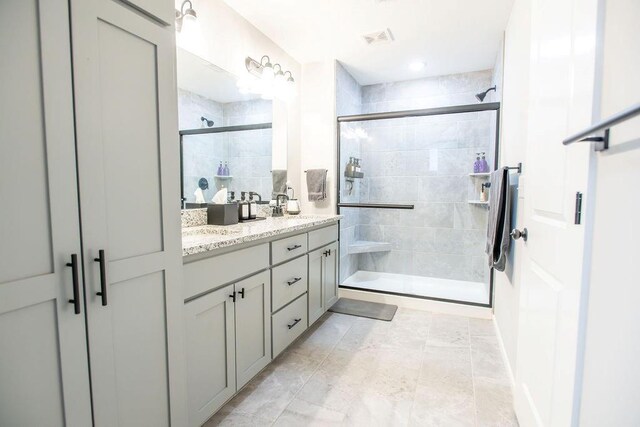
{"x":269,"y":80}
{"x":290,"y":78}
{"x":183,"y":14}
{"x":267,"y":68}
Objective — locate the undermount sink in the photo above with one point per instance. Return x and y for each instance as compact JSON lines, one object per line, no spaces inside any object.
{"x":209,"y":230}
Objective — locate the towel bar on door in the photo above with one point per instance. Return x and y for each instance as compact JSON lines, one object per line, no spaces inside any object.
{"x":518,"y":168}
{"x":602,"y":142}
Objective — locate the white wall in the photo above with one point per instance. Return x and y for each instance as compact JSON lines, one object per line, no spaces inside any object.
{"x":515,"y":99}
{"x":318,"y":135}
{"x":611,"y":381}
{"x":224,"y":38}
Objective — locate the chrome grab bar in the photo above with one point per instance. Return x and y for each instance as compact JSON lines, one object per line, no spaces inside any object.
{"x":602,"y":142}
{"x":375,"y":206}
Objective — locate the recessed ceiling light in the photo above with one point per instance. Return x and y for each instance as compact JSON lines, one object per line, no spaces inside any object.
{"x":416,"y":65}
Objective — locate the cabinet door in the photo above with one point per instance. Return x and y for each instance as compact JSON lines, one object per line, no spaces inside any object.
{"x":43,"y":356}
{"x":330,"y":276}
{"x":316,"y":292}
{"x":253,"y":326}
{"x":126,"y":112}
{"x":210,"y":344}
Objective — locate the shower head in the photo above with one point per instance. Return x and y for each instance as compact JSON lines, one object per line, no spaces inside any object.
{"x":207,"y":121}
{"x":480,"y":96}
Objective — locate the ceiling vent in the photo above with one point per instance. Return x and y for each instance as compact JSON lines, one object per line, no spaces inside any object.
{"x":378,"y":37}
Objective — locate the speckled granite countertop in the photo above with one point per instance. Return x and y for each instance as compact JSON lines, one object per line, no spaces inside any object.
{"x":205,"y":238}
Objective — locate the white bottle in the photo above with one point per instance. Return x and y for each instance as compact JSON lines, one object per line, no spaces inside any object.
{"x":484,"y":193}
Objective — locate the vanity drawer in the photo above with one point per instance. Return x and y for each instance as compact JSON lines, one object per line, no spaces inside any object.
{"x":288,"y":324}
{"x":323,"y":236}
{"x":209,"y":273}
{"x":291,"y":247}
{"x":288,"y":281}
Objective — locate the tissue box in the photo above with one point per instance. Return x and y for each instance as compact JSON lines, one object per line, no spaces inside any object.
{"x":218,"y":214}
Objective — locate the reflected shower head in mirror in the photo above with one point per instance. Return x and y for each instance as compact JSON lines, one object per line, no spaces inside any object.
{"x":204,"y":120}
{"x":480,"y":96}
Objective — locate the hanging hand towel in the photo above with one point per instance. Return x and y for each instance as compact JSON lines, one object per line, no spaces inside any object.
{"x":499,"y":225}
{"x":317,"y":184}
{"x":279,"y":178}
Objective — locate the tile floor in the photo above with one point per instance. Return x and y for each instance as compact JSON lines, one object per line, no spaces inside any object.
{"x":421,"y":369}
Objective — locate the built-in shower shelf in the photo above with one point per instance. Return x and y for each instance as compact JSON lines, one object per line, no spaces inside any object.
{"x":480,"y":174}
{"x":364,"y":246}
{"x":478,"y":202}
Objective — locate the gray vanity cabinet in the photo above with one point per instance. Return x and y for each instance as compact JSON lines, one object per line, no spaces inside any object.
{"x":211,"y":353}
{"x":316,"y":285}
{"x":228,"y":338}
{"x":323,"y":280}
{"x":253,"y":326}
{"x":330,"y":275}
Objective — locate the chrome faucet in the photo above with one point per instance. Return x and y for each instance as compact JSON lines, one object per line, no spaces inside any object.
{"x":278,"y":208}
{"x":253,"y":193}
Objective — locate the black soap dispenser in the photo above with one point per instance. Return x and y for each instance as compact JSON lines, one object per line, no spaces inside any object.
{"x":243,"y":207}
{"x":253,"y":207}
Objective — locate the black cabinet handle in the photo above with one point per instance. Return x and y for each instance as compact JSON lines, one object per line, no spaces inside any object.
{"x":295,"y":280}
{"x":241,"y":293}
{"x":76,"y":285}
{"x":295,"y":322}
{"x":294,"y":247}
{"x":103,"y":276}
{"x":233,"y":296}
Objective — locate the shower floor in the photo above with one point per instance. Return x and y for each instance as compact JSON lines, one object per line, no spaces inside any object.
{"x":432,"y":287}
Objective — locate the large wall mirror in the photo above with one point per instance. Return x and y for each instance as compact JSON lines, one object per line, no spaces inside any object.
{"x":227,"y":137}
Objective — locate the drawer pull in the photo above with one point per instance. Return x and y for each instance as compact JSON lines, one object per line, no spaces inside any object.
{"x":233,"y":296}
{"x":295,"y":280}
{"x":295,"y":322}
{"x":241,"y":293}
{"x":294,"y":247}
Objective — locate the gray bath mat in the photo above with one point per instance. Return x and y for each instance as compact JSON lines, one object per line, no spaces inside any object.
{"x":372,"y":310}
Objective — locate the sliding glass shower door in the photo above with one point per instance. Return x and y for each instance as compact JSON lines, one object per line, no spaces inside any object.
{"x":415,"y":221}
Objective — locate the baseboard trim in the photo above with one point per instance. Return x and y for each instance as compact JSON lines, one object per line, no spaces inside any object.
{"x":503,"y":351}
{"x":419,"y":303}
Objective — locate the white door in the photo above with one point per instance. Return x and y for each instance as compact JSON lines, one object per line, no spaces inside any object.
{"x":43,"y":357}
{"x":128,"y":153}
{"x":561,"y":91}
{"x":611,"y":379}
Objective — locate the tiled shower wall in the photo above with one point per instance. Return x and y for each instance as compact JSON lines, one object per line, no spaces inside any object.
{"x":423,"y":161}
{"x":248,"y":152}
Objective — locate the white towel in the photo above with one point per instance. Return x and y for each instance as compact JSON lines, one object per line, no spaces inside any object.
{"x":199,"y":195}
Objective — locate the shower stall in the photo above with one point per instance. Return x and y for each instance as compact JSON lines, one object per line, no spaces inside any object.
{"x":414,"y":217}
